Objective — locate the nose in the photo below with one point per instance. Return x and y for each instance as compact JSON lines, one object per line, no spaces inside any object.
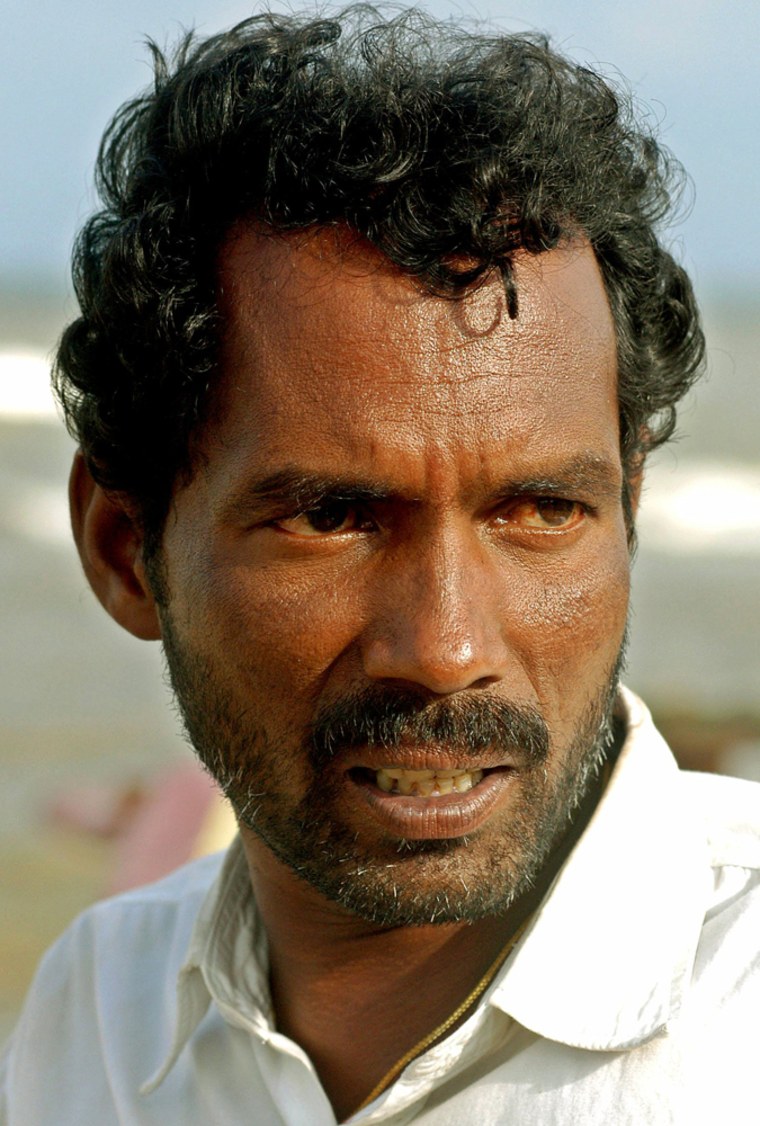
{"x":436,"y":619}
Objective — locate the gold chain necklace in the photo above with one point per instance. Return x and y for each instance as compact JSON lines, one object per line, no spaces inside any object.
{"x":469,"y":1000}
{"x":450,"y":1021}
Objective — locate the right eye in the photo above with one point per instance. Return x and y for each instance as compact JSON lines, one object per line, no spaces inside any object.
{"x":333,"y":517}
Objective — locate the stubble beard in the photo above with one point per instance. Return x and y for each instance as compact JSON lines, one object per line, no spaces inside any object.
{"x":394,"y":882}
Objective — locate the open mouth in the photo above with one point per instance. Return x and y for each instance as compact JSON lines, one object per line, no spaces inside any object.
{"x":419,"y":783}
{"x":433,"y":803}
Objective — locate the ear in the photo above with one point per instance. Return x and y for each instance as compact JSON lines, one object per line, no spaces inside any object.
{"x":109,"y":542}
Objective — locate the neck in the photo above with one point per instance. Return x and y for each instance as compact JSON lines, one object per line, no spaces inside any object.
{"x":357,"y":996}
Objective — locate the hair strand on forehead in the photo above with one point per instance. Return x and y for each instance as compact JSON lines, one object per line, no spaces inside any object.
{"x":439,"y":145}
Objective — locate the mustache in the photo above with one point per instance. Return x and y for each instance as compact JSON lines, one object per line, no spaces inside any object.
{"x":385,"y":717}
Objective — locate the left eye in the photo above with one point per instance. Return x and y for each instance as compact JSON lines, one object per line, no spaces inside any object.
{"x":544,"y":513}
{"x":332,"y":516}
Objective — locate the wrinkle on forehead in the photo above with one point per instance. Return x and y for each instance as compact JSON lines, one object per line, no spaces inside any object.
{"x":326,"y":342}
{"x":269,"y":259}
{"x":312,"y":276}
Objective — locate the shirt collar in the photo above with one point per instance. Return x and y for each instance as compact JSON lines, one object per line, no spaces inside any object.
{"x":602,"y":966}
{"x":606,"y":960}
{"x":227,"y":961}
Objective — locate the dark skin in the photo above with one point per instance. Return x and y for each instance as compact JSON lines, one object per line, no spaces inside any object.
{"x":459,"y":577}
{"x":354,"y":1001}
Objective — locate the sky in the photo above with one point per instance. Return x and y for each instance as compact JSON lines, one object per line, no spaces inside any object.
{"x":65,"y":67}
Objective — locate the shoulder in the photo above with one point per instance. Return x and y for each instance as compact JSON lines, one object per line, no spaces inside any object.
{"x":139,"y":928}
{"x":727,"y":964}
{"x":720,"y":1015}
{"x":102,"y":1004}
{"x":143,"y":932}
{"x":729,"y":809}
{"x":165,"y":910}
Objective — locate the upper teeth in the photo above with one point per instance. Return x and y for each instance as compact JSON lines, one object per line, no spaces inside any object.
{"x":425,"y":783}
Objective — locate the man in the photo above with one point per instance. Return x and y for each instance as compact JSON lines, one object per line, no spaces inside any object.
{"x":376,"y":334}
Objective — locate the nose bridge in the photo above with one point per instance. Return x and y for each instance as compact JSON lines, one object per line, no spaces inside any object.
{"x":436,"y":620}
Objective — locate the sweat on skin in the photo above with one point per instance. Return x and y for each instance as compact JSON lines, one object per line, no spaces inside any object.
{"x":394,"y":492}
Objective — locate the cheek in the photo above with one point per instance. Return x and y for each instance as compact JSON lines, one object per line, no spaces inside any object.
{"x":278,"y":633}
{"x":585,"y":608}
{"x":569,"y":626}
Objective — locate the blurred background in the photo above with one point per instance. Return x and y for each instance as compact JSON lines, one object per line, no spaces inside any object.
{"x":87,"y":732}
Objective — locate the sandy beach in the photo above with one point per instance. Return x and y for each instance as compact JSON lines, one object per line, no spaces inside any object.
{"x":82,"y":703}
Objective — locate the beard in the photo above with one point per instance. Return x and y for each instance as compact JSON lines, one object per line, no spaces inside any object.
{"x":394,"y":882}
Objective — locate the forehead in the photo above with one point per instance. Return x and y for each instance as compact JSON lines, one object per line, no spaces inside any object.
{"x":327,"y":344}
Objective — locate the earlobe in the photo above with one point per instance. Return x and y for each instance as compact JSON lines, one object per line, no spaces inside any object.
{"x":109,"y":542}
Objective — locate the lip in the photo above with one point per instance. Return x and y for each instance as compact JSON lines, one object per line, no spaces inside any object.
{"x":435,"y":818}
{"x":409,"y":757}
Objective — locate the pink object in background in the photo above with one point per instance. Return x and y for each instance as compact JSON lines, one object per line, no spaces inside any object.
{"x":164,"y":832}
{"x":155,"y":827}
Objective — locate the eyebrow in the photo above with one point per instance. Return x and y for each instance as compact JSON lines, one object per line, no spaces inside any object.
{"x":300,"y":489}
{"x":586,"y":473}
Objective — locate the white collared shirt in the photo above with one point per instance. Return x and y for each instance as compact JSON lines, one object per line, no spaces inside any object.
{"x":633,"y":999}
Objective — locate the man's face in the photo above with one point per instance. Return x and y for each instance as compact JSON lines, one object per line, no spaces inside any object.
{"x":403,"y":551}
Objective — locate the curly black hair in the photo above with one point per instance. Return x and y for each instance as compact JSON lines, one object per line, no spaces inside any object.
{"x":441,"y":146}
